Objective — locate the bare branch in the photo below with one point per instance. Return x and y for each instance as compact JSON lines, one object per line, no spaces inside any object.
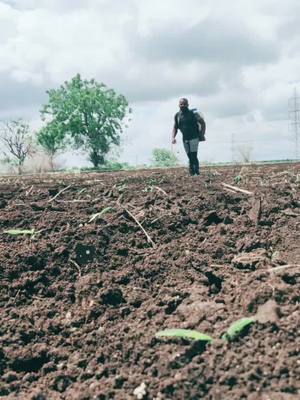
{"x":15,"y":136}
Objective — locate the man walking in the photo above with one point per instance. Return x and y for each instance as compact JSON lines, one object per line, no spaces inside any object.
{"x":193,"y":128}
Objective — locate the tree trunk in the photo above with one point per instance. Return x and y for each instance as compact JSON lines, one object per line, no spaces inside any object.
{"x":51,"y":162}
{"x":96,"y":158}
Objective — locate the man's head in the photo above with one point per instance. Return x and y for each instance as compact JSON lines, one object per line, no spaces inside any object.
{"x":183,"y":104}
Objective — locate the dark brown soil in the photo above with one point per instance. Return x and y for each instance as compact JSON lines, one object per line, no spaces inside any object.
{"x":81,"y":301}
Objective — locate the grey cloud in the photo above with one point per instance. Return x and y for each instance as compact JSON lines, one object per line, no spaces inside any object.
{"x":289,"y":29}
{"x":229,"y":105}
{"x":20,"y":94}
{"x":275,"y":112}
{"x":160,"y":83}
{"x":164,"y":81}
{"x":241,"y":102}
{"x":151,"y":87}
{"x":152,"y":68}
{"x":32,"y":4}
{"x":280,"y":9}
{"x":68,"y":6}
{"x":229,"y":109}
{"x":210,"y":41}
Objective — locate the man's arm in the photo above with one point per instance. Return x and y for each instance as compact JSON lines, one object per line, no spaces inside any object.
{"x":174,"y":133}
{"x":175,"y":130}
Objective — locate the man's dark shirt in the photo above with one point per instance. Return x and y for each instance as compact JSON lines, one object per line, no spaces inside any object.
{"x":186,"y":122}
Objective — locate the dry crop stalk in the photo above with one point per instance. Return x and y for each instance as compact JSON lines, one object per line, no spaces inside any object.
{"x":60,"y":192}
{"x":160,"y":190}
{"x":76,"y":265}
{"x":138,"y":223}
{"x":282,"y":267}
{"x":237,"y":189}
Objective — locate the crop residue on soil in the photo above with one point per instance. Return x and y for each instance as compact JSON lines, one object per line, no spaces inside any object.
{"x":83,"y":296}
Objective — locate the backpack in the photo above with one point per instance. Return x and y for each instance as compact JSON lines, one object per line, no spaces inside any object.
{"x":200,"y":122}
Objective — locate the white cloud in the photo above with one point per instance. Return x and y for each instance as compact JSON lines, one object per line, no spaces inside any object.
{"x":235,"y":60}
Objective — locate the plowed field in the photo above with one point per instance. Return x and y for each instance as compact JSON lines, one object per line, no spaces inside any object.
{"x":82,"y":296}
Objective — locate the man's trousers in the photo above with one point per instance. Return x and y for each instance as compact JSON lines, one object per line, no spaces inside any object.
{"x":191,"y":149}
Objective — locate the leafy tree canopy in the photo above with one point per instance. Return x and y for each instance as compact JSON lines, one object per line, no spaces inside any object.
{"x":52,"y":140}
{"x":89,"y":112}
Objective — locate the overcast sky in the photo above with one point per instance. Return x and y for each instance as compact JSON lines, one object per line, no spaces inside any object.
{"x":237,"y":62}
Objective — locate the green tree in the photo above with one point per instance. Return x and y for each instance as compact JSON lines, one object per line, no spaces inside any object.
{"x":164,"y":158}
{"x":17,"y":143}
{"x":89,"y":112}
{"x":52,"y":140}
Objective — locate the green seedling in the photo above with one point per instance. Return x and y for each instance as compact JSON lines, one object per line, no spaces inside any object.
{"x":237,"y":179}
{"x":99,"y":214}
{"x":237,"y":328}
{"x":232,"y":332}
{"x":152,"y":182}
{"x":184,"y":333}
{"x":148,"y":189}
